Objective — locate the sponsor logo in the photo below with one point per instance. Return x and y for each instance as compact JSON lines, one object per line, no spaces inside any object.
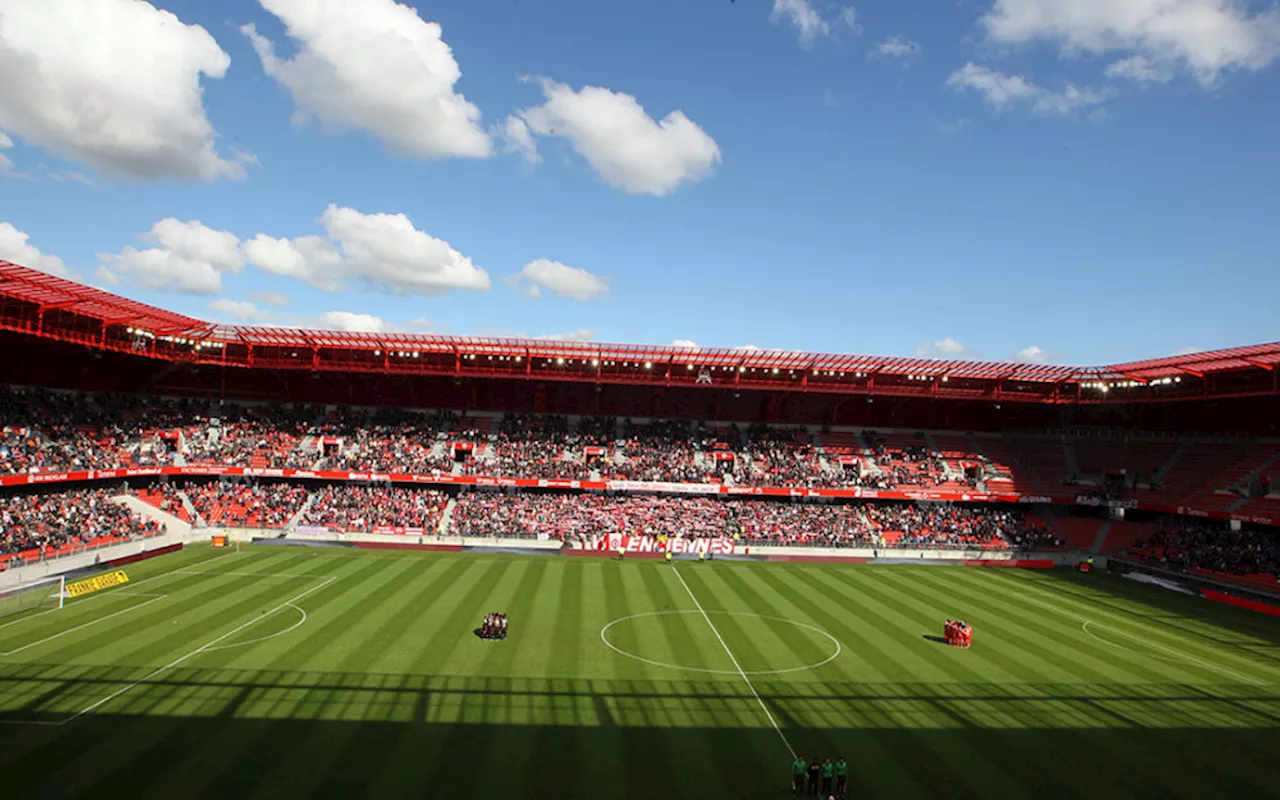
{"x":104,"y":581}
{"x":614,"y":542}
{"x":48,"y":477}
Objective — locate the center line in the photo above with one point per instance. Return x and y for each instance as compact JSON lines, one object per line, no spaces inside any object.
{"x":736,"y":665}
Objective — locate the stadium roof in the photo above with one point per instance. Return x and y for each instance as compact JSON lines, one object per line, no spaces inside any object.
{"x":43,"y":305}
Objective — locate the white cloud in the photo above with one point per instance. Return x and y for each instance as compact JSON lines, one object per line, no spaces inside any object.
{"x":688,"y":344}
{"x":1187,"y":351}
{"x":350,"y":322}
{"x":1033,"y":355}
{"x":15,"y":248}
{"x":376,"y":66}
{"x":1205,"y":37}
{"x":1140,"y":69}
{"x":895,"y":47}
{"x":559,"y":279}
{"x":384,"y":251}
{"x":580,"y":335}
{"x":1004,"y":91}
{"x":517,"y":138}
{"x":849,"y":18}
{"x":267,"y":298}
{"x":113,"y":84}
{"x":808,"y":21}
{"x":237,"y":310}
{"x":189,"y":257}
{"x":5,"y":144}
{"x":749,"y":348}
{"x":622,"y":143}
{"x":944,"y":348}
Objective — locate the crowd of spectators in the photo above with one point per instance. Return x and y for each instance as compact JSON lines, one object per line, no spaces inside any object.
{"x":49,"y":522}
{"x":1185,"y":544}
{"x":567,"y":517}
{"x":362,"y":508}
{"x":944,"y":526}
{"x":46,"y":431}
{"x":657,"y":451}
{"x":803,"y":524}
{"x":531,"y":447}
{"x":247,"y":505}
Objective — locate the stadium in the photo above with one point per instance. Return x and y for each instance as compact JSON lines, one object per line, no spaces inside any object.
{"x":278,"y":561}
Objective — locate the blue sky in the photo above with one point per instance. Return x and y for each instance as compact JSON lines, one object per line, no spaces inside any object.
{"x":1077,"y":181}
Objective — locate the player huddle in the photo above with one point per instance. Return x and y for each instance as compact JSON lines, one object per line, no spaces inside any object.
{"x":494,"y":627}
{"x":815,"y":771}
{"x":957,"y":633}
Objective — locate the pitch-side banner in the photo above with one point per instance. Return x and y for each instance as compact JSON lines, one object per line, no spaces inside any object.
{"x":614,"y":542}
{"x":103,"y":581}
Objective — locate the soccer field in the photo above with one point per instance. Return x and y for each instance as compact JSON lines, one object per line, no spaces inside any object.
{"x":292,"y":672}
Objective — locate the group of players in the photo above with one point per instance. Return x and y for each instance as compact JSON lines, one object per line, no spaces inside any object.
{"x":494,"y":627}
{"x":819,"y":773}
{"x":958,"y":633}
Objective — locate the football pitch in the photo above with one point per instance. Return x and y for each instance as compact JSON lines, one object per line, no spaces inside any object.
{"x":296,"y":672}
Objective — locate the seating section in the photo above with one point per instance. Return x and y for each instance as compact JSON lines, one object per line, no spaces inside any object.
{"x":165,"y":498}
{"x":246,"y":505}
{"x":42,"y":431}
{"x":1211,"y":547}
{"x":348,"y":508}
{"x":34,"y":526}
{"x":577,"y":517}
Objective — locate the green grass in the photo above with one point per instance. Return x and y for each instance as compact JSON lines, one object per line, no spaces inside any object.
{"x":384,"y":690}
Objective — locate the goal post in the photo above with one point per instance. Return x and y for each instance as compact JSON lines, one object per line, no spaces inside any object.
{"x":47,"y":593}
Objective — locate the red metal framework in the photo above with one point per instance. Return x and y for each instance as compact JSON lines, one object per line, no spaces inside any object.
{"x":42,"y":305}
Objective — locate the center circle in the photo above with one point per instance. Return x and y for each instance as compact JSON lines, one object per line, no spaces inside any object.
{"x":604,"y":637}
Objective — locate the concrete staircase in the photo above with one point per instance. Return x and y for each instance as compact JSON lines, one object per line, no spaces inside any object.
{"x":446,"y":518}
{"x":147,"y":511}
{"x":1069,"y":455}
{"x":1171,"y":463}
{"x":1100,"y":539}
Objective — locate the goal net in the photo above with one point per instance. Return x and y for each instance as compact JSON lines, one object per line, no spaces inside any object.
{"x":44,"y":593}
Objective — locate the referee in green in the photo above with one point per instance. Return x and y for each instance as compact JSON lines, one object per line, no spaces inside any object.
{"x":842,"y":775}
{"x":798,"y":768}
{"x":827,"y":770}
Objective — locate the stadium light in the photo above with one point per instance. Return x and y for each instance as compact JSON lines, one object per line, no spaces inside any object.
{"x":648,"y":365}
{"x":690,"y":366}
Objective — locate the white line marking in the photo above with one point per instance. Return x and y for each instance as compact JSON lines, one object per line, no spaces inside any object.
{"x":290,"y":629}
{"x":1176,"y":655}
{"x":59,"y":635}
{"x":738,"y":666}
{"x":1245,"y":678}
{"x":815,"y":665}
{"x":203,"y":648}
{"x":248,"y":574}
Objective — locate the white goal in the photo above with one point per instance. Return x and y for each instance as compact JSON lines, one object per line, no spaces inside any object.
{"x":48,"y":593}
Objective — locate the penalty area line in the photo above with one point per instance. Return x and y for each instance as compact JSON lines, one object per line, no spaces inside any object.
{"x":202,"y":649}
{"x":154,"y":599}
{"x":736,"y":665}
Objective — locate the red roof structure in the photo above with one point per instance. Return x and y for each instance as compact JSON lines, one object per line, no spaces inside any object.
{"x":37,"y":304}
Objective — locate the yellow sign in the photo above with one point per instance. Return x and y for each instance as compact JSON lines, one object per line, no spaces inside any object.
{"x":93,"y":584}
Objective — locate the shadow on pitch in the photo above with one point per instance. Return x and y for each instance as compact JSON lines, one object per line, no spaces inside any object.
{"x":213,"y":733}
{"x":932,"y":638}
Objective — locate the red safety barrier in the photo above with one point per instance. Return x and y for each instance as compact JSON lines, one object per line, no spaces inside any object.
{"x":1240,"y":602}
{"x":136,"y":557}
{"x":819,"y":559}
{"x":434,"y":548}
{"x":1021,"y":563}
